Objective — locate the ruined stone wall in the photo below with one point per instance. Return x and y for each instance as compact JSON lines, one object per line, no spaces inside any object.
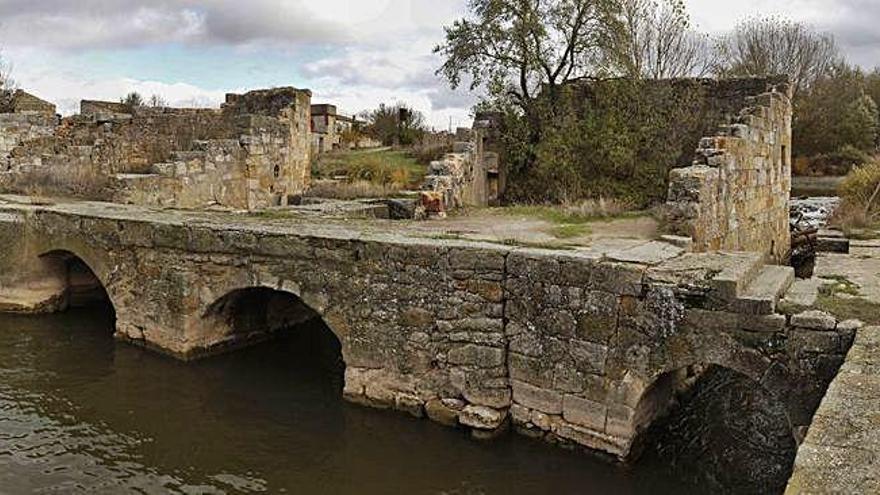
{"x":18,"y":128}
{"x":460,"y":178}
{"x":569,"y":346}
{"x":173,"y":157}
{"x":735,"y":195}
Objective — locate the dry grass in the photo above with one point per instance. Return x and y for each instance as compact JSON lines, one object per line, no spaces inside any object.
{"x":365,"y":174}
{"x":76,"y":181}
{"x":860,"y":192}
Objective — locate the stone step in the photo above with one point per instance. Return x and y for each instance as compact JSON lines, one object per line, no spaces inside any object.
{"x":736,"y":275}
{"x":764,"y":292}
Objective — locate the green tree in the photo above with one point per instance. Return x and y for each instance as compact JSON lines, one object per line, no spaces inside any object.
{"x":836,"y":112}
{"x":518,"y":49}
{"x":132,"y":100}
{"x":397,"y":124}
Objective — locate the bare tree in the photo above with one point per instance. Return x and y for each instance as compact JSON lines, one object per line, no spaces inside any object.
{"x":774,"y":46}
{"x":656,"y":41}
{"x":156,"y":101}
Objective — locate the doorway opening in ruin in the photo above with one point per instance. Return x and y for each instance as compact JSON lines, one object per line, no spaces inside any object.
{"x":717,"y":427}
{"x":261,"y":316}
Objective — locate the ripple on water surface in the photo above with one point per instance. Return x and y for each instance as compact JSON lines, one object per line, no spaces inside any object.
{"x":81,"y":413}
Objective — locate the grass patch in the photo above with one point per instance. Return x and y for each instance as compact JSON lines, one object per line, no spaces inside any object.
{"x":569,"y":230}
{"x":365,"y":174}
{"x":857,"y":308}
{"x":839,"y":285}
{"x":841,"y":298}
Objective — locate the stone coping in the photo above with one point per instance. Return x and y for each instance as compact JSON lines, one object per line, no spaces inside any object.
{"x":645,"y":254}
{"x":841,"y":453}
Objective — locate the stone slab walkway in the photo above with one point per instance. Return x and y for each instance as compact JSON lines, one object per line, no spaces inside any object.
{"x":841,"y":453}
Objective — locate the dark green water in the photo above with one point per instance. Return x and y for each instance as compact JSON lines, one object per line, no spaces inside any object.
{"x":81,"y":413}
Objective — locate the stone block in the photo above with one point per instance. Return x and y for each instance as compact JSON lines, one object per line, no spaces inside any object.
{"x":439,"y":412}
{"x":531,"y":370}
{"x":532,"y":397}
{"x":814,"y":320}
{"x":588,"y":357}
{"x":482,"y":418}
{"x":475,"y":355}
{"x":814,"y":341}
{"x":584,"y":412}
{"x":498,"y":398}
{"x":621,"y":421}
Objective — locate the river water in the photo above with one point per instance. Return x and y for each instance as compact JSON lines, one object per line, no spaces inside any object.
{"x":81,"y":413}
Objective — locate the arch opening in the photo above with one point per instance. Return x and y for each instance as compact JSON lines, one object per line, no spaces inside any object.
{"x":250,"y":316}
{"x":717,"y":427}
{"x":77,"y":285}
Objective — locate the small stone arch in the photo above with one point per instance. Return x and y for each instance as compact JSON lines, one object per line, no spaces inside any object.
{"x":658,"y":396}
{"x":248,"y":315}
{"x":77,"y":280}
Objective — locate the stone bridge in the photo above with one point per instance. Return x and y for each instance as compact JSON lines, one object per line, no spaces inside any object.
{"x":571,"y":345}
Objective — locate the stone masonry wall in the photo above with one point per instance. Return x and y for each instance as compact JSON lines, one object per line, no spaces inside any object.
{"x":735,"y":195}
{"x":460,"y":178}
{"x":569,"y":346}
{"x":16,"y":129}
{"x":252,"y":153}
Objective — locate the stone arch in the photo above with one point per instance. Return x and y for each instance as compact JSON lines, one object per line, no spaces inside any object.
{"x":76,"y":279}
{"x":659,"y":396}
{"x":247,"y":315}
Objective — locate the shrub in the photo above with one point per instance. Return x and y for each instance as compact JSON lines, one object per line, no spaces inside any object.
{"x":840,"y":162}
{"x":860,"y":192}
{"x":608,"y":139}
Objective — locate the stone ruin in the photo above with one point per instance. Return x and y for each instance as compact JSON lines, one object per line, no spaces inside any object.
{"x":255,"y":151}
{"x":469,"y":176}
{"x":735,"y":196}
{"x":252,"y":153}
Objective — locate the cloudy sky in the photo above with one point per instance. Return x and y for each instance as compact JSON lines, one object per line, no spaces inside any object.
{"x":355,"y":53}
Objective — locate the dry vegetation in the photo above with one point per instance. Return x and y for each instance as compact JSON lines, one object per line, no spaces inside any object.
{"x":76,"y":181}
{"x":365,"y":174}
{"x":861,"y":199}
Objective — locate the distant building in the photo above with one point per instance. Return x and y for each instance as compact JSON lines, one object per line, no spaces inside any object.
{"x":21,"y":102}
{"x":333,"y":131}
{"x":328,"y":128}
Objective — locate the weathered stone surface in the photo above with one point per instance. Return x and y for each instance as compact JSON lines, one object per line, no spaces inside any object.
{"x":735,"y":196}
{"x":475,"y":355}
{"x":571,"y":334}
{"x":439,"y":412}
{"x":841,"y":453}
{"x":815,"y":320}
{"x":584,"y":412}
{"x":546,"y":401}
{"x":482,"y":418}
{"x":815,"y":341}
